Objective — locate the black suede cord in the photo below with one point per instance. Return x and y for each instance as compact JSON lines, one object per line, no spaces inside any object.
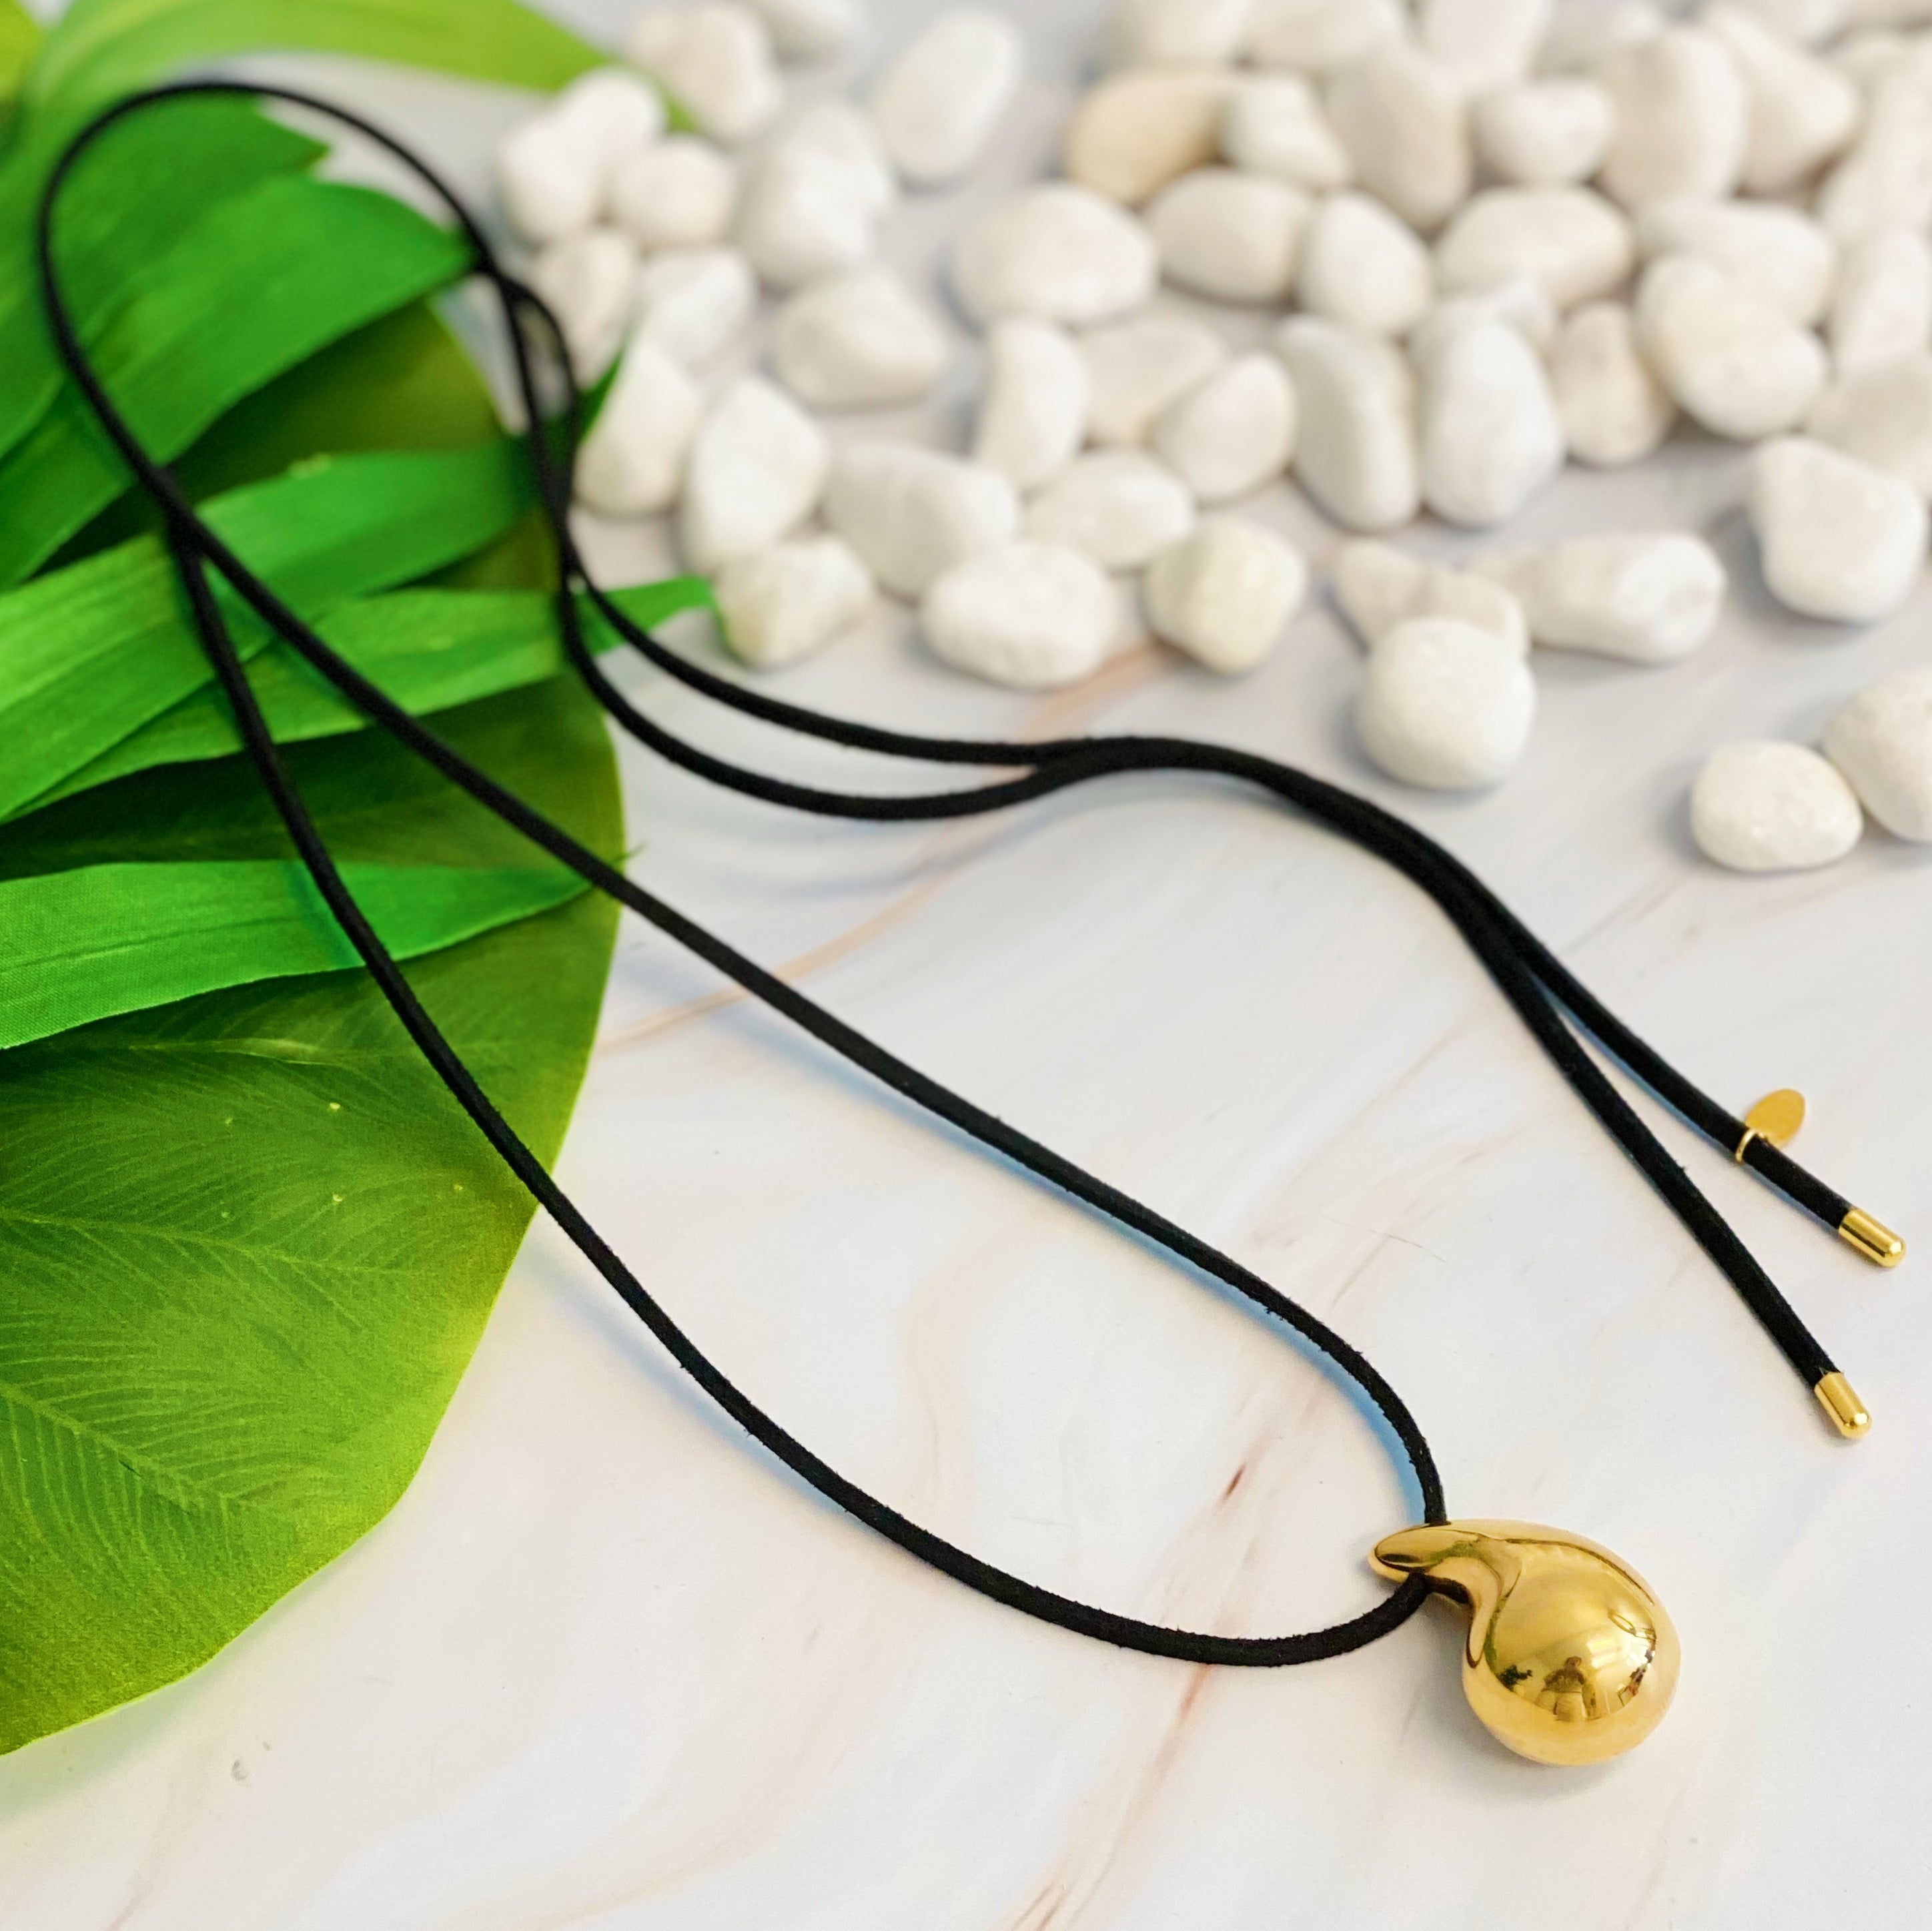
{"x":1539,"y":988}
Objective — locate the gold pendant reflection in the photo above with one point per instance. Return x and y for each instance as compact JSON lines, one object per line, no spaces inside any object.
{"x":1571,"y":1659}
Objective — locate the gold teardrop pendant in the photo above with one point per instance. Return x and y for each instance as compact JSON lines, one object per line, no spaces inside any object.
{"x":1571,"y":1659}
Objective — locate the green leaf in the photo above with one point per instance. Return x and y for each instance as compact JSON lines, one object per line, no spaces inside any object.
{"x":249,"y":1242}
{"x":261,"y":284}
{"x":91,"y":654}
{"x":19,"y":38}
{"x":104,"y":47}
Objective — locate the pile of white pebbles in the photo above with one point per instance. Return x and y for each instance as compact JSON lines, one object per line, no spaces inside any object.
{"x":1503,"y":235}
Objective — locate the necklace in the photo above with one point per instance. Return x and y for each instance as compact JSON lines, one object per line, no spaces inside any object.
{"x":1569,"y":1657}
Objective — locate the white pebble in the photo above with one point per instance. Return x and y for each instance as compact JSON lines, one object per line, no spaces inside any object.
{"x":799,"y":218}
{"x":1681,"y":118}
{"x":1225,"y":594}
{"x":716,"y":59}
{"x":1317,"y":36}
{"x":1138,"y":371}
{"x":757,"y":470}
{"x":939,"y":105}
{"x":912,"y":514}
{"x":1490,"y":432}
{"x":1235,"y":434}
{"x":1771,"y":807}
{"x":1177,"y":33}
{"x":1038,"y":402}
{"x":1812,"y":21}
{"x":1775,"y":254}
{"x":1883,"y":416}
{"x":784,"y":604}
{"x":1120,"y":507}
{"x":810,"y":30}
{"x":1882,"y":308}
{"x":1139,"y":131}
{"x":1570,"y":243}
{"x":1614,"y":411}
{"x":1518,"y":304}
{"x":858,"y":341}
{"x":1362,"y":267}
{"x":681,"y":193}
{"x":1058,"y":253}
{"x":696,"y":303}
{"x":1732,"y":360}
{"x":1841,"y":540}
{"x":1033,"y":615}
{"x":1405,"y":126}
{"x":1275,"y":125}
{"x":1357,"y":453}
{"x":1232,"y":237}
{"x":1446,"y":706}
{"x":1882,"y":741}
{"x":632,"y":462}
{"x":1581,"y":38}
{"x":1802,"y":112}
{"x":1379,"y":588}
{"x":589,"y":282}
{"x":1484,"y":43}
{"x":1886,"y":180}
{"x":1544,"y":133}
{"x":843,"y":136}
{"x":1646,"y":599}
{"x":555,"y":170}
{"x":620,"y":113}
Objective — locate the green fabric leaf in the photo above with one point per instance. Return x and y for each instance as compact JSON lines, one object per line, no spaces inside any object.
{"x":91,"y":654}
{"x":247,"y":1244}
{"x":263,"y":283}
{"x":79,"y":946}
{"x":19,"y":38}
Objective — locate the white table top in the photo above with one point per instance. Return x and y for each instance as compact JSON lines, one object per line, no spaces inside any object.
{"x":603,"y":1668}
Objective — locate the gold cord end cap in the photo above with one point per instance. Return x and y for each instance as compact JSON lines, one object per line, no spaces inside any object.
{"x":1848,"y":1415}
{"x":1873,"y":1239}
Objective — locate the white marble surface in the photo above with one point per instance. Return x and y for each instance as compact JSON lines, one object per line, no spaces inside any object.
{"x":604,"y":1669}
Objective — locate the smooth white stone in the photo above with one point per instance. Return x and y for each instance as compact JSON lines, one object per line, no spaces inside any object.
{"x":1379,"y":587}
{"x":1802,"y":112}
{"x":1058,"y":253}
{"x":1275,"y":125}
{"x":1484,"y":43}
{"x":1033,"y":615}
{"x":1121,"y":507}
{"x":1362,"y":267}
{"x":1771,"y":807}
{"x":1841,"y":540}
{"x":588,"y":281}
{"x":1572,"y":243}
{"x":785,"y":603}
{"x":1139,"y":131}
{"x":939,"y":104}
{"x":1489,"y":434}
{"x":1317,"y":36}
{"x":1882,"y":308}
{"x":1229,"y":236}
{"x":858,"y":341}
{"x":799,"y":218}
{"x":1226,"y":594}
{"x":842,"y":136}
{"x":619,"y":113}
{"x":1775,"y":254}
{"x":1405,"y":126}
{"x":1883,"y":416}
{"x":717,"y":60}
{"x":1357,"y":454}
{"x":1613,"y":410}
{"x":1518,"y":303}
{"x":1235,"y":434}
{"x":1445,"y":705}
{"x":912,"y":514}
{"x":551,"y":181}
{"x":1177,"y":33}
{"x":632,"y":462}
{"x":1886,"y":180}
{"x":1038,"y":403}
{"x":696,"y":303}
{"x":1647,"y":599}
{"x":682,"y":194}
{"x":1681,"y":118}
{"x":1544,"y":133}
{"x":1866,"y":55}
{"x":1581,"y":38}
{"x":1882,"y":741}
{"x":1732,"y":360}
{"x":1139,"y":370}
{"x":810,"y":30}
{"x":1810,"y":21}
{"x":757,"y":470}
